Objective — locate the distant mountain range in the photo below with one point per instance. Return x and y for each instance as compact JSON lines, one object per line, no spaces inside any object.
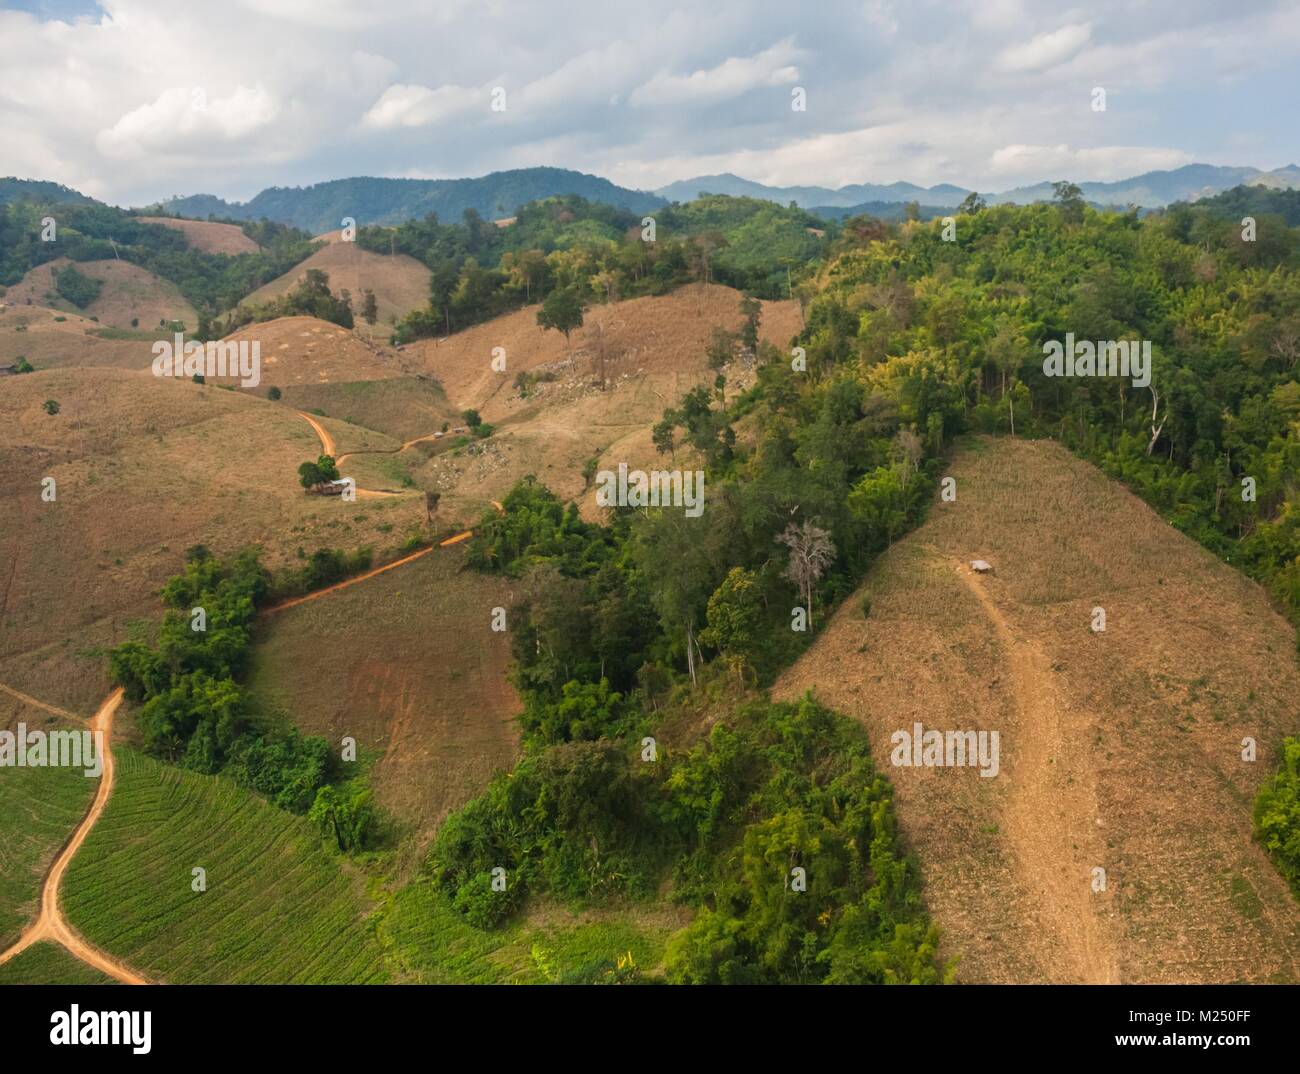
{"x":322,"y":207}
{"x":367,"y":200}
{"x":806,"y":197}
{"x":1150,"y":190}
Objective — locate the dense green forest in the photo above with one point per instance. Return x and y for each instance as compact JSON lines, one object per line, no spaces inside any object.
{"x":1255,"y":201}
{"x":211,"y":283}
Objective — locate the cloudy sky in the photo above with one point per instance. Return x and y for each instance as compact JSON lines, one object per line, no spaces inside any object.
{"x":135,"y":100}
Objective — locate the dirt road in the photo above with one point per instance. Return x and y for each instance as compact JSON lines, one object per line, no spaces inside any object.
{"x":317,"y":594}
{"x":1042,"y":817}
{"x":27,"y":699}
{"x":50,"y":923}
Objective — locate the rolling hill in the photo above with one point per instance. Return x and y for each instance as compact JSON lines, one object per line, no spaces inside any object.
{"x":307,"y":350}
{"x":225,"y":465}
{"x":654,"y":353}
{"x":400,"y":283}
{"x":1149,"y":190}
{"x":128,"y":293}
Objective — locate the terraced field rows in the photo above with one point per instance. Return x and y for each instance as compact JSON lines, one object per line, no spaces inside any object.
{"x":278,"y":907}
{"x":50,"y":963}
{"x":38,"y":808}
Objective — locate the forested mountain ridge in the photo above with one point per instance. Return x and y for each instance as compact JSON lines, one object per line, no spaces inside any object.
{"x":371,"y":200}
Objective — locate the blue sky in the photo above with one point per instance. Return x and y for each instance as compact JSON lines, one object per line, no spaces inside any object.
{"x":134,"y":100}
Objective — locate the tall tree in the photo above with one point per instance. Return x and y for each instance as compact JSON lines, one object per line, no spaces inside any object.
{"x":811,"y":552}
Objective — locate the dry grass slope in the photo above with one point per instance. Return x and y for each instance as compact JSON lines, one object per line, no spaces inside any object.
{"x":400,"y":283}
{"x":144,"y":468}
{"x":128,"y":293}
{"x":654,"y":353}
{"x":407,"y":664}
{"x":207,"y":236}
{"x":1119,"y":750}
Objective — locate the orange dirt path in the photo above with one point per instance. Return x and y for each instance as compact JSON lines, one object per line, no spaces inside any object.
{"x":1036,"y":813}
{"x":29,"y":700}
{"x":50,"y":924}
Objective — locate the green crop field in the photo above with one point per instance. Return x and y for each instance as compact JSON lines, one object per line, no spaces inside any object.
{"x":39,"y":807}
{"x":278,"y":906}
{"x":49,"y":963}
{"x":428,"y":942}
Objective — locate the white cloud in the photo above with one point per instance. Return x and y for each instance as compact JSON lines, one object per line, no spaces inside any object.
{"x":188,"y":116}
{"x":405,"y":105}
{"x":1045,"y":50}
{"x":731,"y":78}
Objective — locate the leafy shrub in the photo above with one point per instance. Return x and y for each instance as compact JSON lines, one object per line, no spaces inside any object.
{"x":1277,"y":814}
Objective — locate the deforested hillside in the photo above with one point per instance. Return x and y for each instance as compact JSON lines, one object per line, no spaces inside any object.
{"x":1120,"y":749}
{"x":400,"y":284}
{"x":120,"y":444}
{"x":208,"y":236}
{"x":307,"y":350}
{"x":548,"y":408}
{"x":50,"y":339}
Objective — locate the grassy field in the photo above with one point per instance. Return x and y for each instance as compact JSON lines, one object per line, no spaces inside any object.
{"x":1120,"y":749}
{"x":52,"y":339}
{"x":47,"y":963}
{"x":278,"y":907}
{"x":39,"y":807}
{"x":428,"y":942}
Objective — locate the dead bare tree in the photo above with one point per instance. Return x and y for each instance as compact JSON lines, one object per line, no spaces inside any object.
{"x":811,"y":550}
{"x":1156,"y":430}
{"x":910,"y":452}
{"x":1286,"y":345}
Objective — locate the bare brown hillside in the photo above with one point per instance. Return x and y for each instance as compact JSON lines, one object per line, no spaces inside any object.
{"x":144,"y":467}
{"x":54,"y":339}
{"x":408,"y":665}
{"x":654,"y":351}
{"x":129,"y":293}
{"x":307,"y":350}
{"x":400,"y":283}
{"x":1120,"y":750}
{"x":208,"y":236}
{"x":658,"y":339}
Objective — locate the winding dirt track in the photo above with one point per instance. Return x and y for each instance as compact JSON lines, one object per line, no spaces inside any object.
{"x":29,"y":700}
{"x":1039,"y":807}
{"x":317,"y":594}
{"x":329,"y":447}
{"x":50,"y":924}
